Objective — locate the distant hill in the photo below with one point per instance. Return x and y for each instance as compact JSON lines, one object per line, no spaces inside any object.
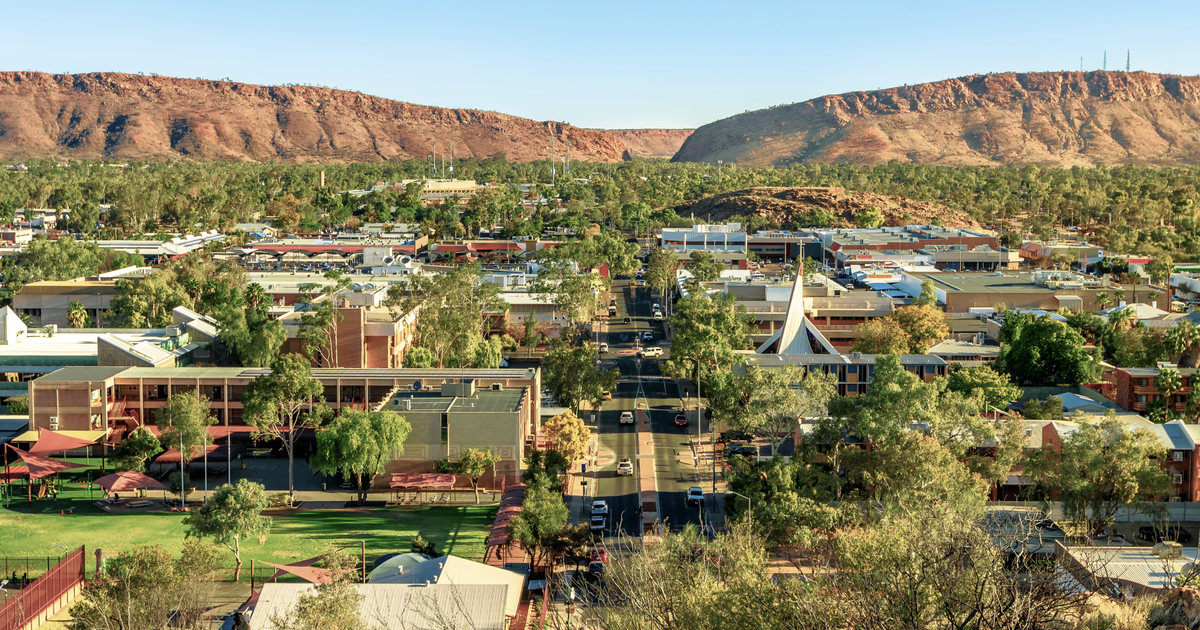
{"x":1042,"y":118}
{"x":784,"y":205}
{"x":126,"y":116}
{"x":648,"y":143}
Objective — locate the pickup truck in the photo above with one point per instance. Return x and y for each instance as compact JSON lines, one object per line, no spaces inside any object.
{"x":653,"y":351}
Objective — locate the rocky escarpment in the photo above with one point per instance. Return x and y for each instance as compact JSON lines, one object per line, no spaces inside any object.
{"x":650,"y":143}
{"x":1043,"y":118}
{"x":126,"y":116}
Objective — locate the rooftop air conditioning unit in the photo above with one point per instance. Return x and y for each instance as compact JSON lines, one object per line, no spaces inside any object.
{"x":356,"y":286}
{"x":497,"y":387}
{"x":53,"y":423}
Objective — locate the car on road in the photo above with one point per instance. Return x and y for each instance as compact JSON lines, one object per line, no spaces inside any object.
{"x":638,"y":275}
{"x":1176,"y":533}
{"x":653,"y":351}
{"x":612,"y":311}
{"x":603,"y":346}
{"x":626,"y":417}
{"x":626,"y":321}
{"x":656,"y":307}
{"x":612,"y":302}
{"x":599,"y":522}
{"x":734,"y":436}
{"x":600,"y":507}
{"x":695,"y":496}
{"x":625,"y":468}
{"x":596,"y":568}
{"x":606,"y":395}
{"x":658,"y":316}
{"x":599,"y":554}
{"x":681,"y":420}
{"x":648,"y":335}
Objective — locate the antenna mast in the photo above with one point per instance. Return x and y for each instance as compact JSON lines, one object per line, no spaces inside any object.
{"x":1126,"y":60}
{"x":553,"y":155}
{"x":1106,"y":60}
{"x":451,"y":171}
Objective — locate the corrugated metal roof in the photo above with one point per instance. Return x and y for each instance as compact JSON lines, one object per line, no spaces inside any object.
{"x":399,"y":606}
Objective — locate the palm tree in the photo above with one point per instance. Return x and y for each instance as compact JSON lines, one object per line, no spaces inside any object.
{"x":1103,"y":299}
{"x":1183,"y":340}
{"x":1167,"y":383}
{"x":77,"y":315}
{"x":1118,"y":296}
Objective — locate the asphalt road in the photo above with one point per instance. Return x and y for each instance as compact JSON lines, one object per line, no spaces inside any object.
{"x":661,"y":396}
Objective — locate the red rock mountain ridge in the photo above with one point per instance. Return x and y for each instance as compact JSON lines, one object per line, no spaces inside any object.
{"x":124,"y":116}
{"x":1043,"y":118}
{"x":649,"y":143}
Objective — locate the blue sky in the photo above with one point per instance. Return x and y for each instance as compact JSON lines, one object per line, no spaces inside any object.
{"x":607,"y":64}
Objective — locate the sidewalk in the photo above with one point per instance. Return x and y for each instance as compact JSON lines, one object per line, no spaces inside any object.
{"x":578,"y":494}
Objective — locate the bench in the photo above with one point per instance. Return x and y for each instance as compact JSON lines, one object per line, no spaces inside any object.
{"x":139,"y":504}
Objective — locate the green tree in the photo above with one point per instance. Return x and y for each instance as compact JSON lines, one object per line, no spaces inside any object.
{"x":869,"y":218}
{"x":707,"y":331}
{"x":360,"y":444}
{"x":1167,"y":383}
{"x":1050,"y":408}
{"x":776,"y":399}
{"x":232,"y":513}
{"x":148,"y":302}
{"x":489,"y":353}
{"x":569,"y":435}
{"x":184,"y":424}
{"x":926,"y":326}
{"x":915,"y":471}
{"x":135,"y":451}
{"x":996,"y":388}
{"x":60,"y":259}
{"x":1103,"y":299}
{"x":419,"y":358}
{"x":572,"y":376}
{"x":880,"y":335}
{"x":1183,"y":341}
{"x":1042,"y":351}
{"x":542,"y":517}
{"x":473,"y":464}
{"x":454,"y":310}
{"x":18,"y":405}
{"x":247,"y":328}
{"x":928,"y":295}
{"x":77,"y":314}
{"x":275,"y":404}
{"x":1100,"y":469}
{"x":660,"y":271}
{"x":705,"y":267}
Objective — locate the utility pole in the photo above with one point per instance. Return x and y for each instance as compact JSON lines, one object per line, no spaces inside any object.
{"x":1105,"y":61}
{"x":435,"y":159}
{"x":1126,"y":60}
{"x":553,"y":155}
{"x":451,"y":171}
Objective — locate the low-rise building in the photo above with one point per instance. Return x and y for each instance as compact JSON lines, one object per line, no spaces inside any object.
{"x":854,"y":371}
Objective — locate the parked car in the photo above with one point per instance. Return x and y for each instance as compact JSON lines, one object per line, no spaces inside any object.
{"x":1174,"y":533}
{"x":603,"y":346}
{"x":739,"y":448}
{"x":653,"y":351}
{"x":695,"y":496}
{"x":681,"y":420}
{"x":625,"y":468}
{"x":599,"y":554}
{"x":596,"y":569}
{"x":606,"y":395}
{"x":600,"y":507}
{"x":598,"y":523}
{"x":626,"y":417}
{"x":734,"y":436}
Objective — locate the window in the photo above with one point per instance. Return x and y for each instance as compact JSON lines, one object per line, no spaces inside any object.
{"x":853,"y":389}
{"x":1143,"y":382}
{"x":1177,"y":456}
{"x":216,"y":394}
{"x":931,"y":369}
{"x":445,"y":428}
{"x":1141,"y":398}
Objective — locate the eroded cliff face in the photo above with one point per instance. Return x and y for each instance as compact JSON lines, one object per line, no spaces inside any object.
{"x":650,"y":143}
{"x":127,"y":116}
{"x":1043,"y":118}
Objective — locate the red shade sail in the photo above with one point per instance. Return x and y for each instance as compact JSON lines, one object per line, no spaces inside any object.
{"x":126,"y":481}
{"x":53,"y":442}
{"x":44,"y":466}
{"x":305,"y":571}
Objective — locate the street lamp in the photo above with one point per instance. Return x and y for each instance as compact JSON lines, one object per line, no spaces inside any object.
{"x":749,"y":504}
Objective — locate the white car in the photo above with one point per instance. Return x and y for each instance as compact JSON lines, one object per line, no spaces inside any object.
{"x":603,"y":346}
{"x":658,"y":316}
{"x":625,"y":468}
{"x":626,"y":417}
{"x":598,"y":523}
{"x":653,"y":351}
{"x":656,"y":307}
{"x":599,"y":507}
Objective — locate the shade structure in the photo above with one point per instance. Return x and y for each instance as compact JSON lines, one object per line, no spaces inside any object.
{"x":421,"y":480}
{"x":44,"y":466}
{"x":54,"y":442}
{"x":216,"y":453}
{"x":305,"y":571}
{"x":397,"y":562}
{"x":129,"y":480}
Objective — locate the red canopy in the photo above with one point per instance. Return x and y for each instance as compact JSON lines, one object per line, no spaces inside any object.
{"x":305,"y":571}
{"x":43,"y":466}
{"x":13,"y":472}
{"x":422,"y":480}
{"x":55,"y":442}
{"x":129,"y":480}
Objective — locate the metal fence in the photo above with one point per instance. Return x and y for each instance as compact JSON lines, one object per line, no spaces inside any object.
{"x":39,"y":594}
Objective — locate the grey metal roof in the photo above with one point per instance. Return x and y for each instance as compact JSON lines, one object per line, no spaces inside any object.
{"x":83,"y":374}
{"x":399,"y":606}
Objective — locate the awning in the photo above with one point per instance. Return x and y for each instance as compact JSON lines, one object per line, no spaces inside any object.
{"x":216,"y":453}
{"x":305,"y":571}
{"x":89,"y":436}
{"x":129,"y":480}
{"x":421,"y":480}
{"x":881,"y":286}
{"x":56,"y":442}
{"x":13,"y":472}
{"x":44,"y":466}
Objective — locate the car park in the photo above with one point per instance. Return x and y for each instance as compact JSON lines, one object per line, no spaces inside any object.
{"x":695,"y":496}
{"x":600,"y":507}
{"x":626,"y":417}
{"x":681,"y":420}
{"x":625,"y":468}
{"x":653,"y":351}
{"x":598,"y":523}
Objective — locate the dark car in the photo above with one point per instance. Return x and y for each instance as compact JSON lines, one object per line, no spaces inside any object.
{"x":1177,"y":534}
{"x":596,"y":569}
{"x":734,"y":436}
{"x":739,"y":448}
{"x":626,"y":320}
{"x":681,"y":420}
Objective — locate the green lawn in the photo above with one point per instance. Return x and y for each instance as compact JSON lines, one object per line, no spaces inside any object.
{"x":295,"y":535}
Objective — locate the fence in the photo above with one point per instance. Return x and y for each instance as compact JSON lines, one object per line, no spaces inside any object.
{"x":38,"y":595}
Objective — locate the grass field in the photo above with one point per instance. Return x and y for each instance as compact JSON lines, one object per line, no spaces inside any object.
{"x":295,"y":535}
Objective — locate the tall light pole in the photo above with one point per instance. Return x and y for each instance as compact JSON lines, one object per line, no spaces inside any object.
{"x":749,"y":504}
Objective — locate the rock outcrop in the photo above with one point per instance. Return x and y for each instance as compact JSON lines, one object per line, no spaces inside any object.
{"x":650,"y":143}
{"x":787,"y":205}
{"x":1043,"y":118}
